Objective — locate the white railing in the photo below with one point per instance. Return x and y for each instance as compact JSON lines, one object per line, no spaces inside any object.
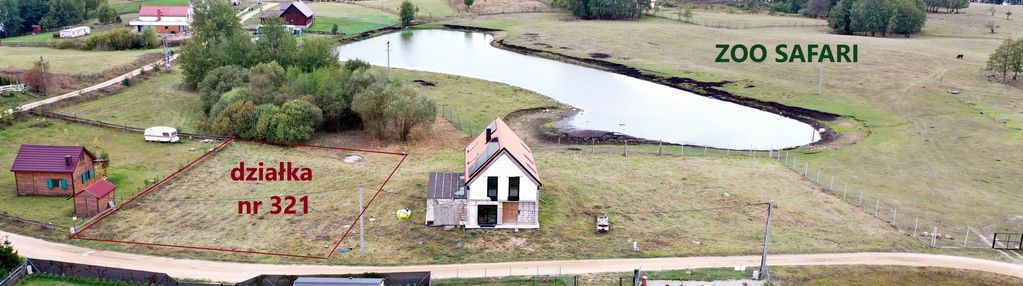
{"x":13,"y":87}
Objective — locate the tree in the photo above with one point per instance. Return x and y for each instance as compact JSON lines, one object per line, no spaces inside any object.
{"x":1006,"y":58}
{"x":409,"y":109}
{"x":9,"y":258}
{"x":818,"y":8}
{"x":608,"y":9}
{"x":220,"y":81}
{"x":213,"y":20}
{"x":262,"y":115}
{"x":1007,"y":14}
{"x":107,"y":15}
{"x":371,"y":103}
{"x":871,"y":16}
{"x":234,"y":119}
{"x":275,"y":43}
{"x":217,"y":40}
{"x":315,"y":53}
{"x":37,"y":77}
{"x":32,"y":12}
{"x":993,"y":9}
{"x":64,"y":13}
{"x":295,"y":122}
{"x":468,"y":4}
{"x":11,"y":23}
{"x":991,"y":26}
{"x":840,"y":17}
{"x":407,"y":12}
{"x":906,"y":18}
{"x":688,"y":14}
{"x":92,"y":5}
{"x":265,"y":80}
{"x":334,"y":29}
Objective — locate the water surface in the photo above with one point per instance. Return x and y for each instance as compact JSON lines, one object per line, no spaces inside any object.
{"x":609,"y":101}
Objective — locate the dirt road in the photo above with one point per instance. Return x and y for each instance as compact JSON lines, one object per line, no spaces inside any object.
{"x":255,"y":12}
{"x":234,"y":272}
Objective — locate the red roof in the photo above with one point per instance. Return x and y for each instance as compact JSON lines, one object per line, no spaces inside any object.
{"x":43,"y":158}
{"x":99,"y":188}
{"x":166,"y":11}
{"x":481,"y":152}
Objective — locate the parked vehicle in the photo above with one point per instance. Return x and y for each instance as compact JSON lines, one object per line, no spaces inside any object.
{"x":602,"y":224}
{"x":162,"y":134}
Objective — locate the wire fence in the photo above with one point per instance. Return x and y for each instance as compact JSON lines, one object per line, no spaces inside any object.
{"x":927,"y":227}
{"x":553,"y":280}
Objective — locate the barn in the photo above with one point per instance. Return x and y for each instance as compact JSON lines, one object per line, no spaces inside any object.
{"x":296,"y":14}
{"x":42,"y":170}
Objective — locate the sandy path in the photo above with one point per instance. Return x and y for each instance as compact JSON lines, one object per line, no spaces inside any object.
{"x":234,"y":272}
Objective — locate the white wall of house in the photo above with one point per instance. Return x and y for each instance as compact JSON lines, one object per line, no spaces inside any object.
{"x":503,"y":167}
{"x":164,"y":19}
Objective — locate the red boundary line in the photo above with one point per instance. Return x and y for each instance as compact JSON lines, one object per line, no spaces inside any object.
{"x":217,"y":150}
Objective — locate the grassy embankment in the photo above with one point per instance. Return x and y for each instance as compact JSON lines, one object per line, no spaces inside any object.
{"x":51,"y":280}
{"x":950,"y":160}
{"x":577,"y":185}
{"x":350,"y":19}
{"x":68,"y":61}
{"x":145,"y":105}
{"x":37,"y":38}
{"x":132,"y":162}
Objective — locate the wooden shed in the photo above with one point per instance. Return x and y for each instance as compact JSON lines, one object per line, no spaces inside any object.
{"x":95,"y":198}
{"x":294,"y":13}
{"x":42,"y":170}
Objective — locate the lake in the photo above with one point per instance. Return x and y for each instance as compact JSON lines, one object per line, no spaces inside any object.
{"x":608,"y":101}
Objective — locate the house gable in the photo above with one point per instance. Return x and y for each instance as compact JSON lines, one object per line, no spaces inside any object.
{"x":503,"y":166}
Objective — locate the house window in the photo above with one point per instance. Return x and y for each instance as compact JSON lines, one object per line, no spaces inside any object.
{"x":56,"y":183}
{"x":513,"y":188}
{"x":492,"y":188}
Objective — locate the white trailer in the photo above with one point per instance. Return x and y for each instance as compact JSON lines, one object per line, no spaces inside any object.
{"x":75,"y":32}
{"x":162,"y":134}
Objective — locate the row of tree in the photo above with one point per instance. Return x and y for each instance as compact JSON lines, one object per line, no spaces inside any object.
{"x":279,"y":90}
{"x":950,"y":6}
{"x":113,"y":40}
{"x":874,"y":17}
{"x":1007,"y":59}
{"x":608,"y":9}
{"x":18,"y":16}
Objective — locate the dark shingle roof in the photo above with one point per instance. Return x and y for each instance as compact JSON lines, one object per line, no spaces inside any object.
{"x":446,"y":186}
{"x":43,"y":158}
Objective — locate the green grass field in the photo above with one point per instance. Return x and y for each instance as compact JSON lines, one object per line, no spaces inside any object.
{"x":68,"y":61}
{"x":51,"y":280}
{"x":948,"y":160}
{"x":146,"y":104}
{"x":351,"y":19}
{"x":132,"y":162}
{"x":427,"y":8}
{"x":37,"y":38}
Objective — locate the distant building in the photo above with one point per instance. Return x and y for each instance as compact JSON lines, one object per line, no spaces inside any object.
{"x":164,"y":19}
{"x":296,"y":14}
{"x":74,"y":32}
{"x":318,"y":281}
{"x":41,"y":170}
{"x":499,"y":188}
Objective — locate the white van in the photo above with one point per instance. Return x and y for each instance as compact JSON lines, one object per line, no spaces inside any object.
{"x":162,"y":134}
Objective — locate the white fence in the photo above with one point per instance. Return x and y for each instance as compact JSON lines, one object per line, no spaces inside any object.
{"x":13,"y":87}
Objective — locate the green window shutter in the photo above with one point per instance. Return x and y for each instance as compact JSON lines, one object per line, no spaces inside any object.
{"x":63,"y":184}
{"x":49,"y":183}
{"x":90,"y":175}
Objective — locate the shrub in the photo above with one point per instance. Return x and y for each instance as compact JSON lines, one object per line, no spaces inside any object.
{"x":122,"y":39}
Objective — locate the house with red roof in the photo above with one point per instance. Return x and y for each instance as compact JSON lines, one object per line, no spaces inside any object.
{"x":499,"y":187}
{"x":43,"y":170}
{"x":295,"y":14}
{"x":164,"y":19}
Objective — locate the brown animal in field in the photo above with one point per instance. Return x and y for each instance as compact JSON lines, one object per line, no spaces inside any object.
{"x":959,"y":57}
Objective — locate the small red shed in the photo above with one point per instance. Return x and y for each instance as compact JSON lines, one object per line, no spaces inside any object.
{"x":96,"y":198}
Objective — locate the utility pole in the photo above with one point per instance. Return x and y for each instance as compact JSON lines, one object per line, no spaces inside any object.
{"x":767,"y":240}
{"x":42,"y":69}
{"x":166,"y":55}
{"x":362,"y":224}
{"x":388,"y":59}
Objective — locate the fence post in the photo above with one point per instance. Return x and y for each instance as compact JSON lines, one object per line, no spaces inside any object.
{"x":895,"y":212}
{"x":916,"y":223}
{"x":806,"y":168}
{"x":658,"y":148}
{"x":728,"y":152}
{"x":559,"y":143}
{"x":626,"y":148}
{"x":704,"y":150}
{"x":934,"y":237}
{"x":819,"y":176}
{"x":832,"y":186}
{"x":786,"y":158}
{"x":967,"y":238}
{"x":682,"y":149}
{"x":877,"y":206}
{"x":592,"y":140}
{"x":861,"y":198}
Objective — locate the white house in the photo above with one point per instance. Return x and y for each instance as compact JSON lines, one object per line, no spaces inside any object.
{"x":499,"y":188}
{"x":164,"y":19}
{"x":75,"y":32}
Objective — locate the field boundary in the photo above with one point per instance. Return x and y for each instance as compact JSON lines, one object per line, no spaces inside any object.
{"x":214,"y":151}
